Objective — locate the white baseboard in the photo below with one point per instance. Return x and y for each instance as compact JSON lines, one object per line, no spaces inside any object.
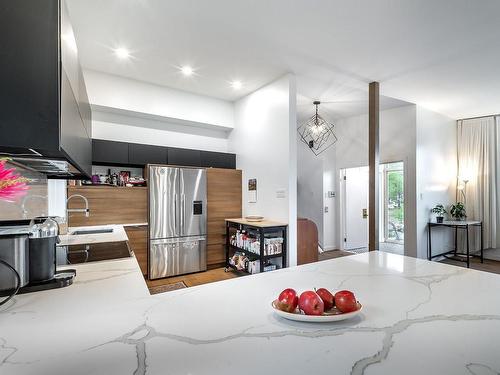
{"x":329,"y":248}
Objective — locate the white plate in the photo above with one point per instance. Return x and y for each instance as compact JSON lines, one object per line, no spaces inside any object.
{"x":332,"y":315}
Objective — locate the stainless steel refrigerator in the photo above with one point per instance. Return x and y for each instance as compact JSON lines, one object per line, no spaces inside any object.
{"x":177,"y":221}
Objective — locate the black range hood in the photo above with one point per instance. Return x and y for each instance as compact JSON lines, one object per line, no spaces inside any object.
{"x":44,"y":108}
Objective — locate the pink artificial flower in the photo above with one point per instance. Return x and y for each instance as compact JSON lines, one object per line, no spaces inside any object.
{"x":12,"y":185}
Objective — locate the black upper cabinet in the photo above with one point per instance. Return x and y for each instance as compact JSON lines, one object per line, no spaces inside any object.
{"x":122,"y":153}
{"x":184,"y":157}
{"x":42,"y":92}
{"x":109,"y":152}
{"x":218,"y":160}
{"x":146,"y":154}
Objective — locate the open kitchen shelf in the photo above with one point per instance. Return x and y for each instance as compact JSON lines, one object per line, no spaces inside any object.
{"x":256,"y":233}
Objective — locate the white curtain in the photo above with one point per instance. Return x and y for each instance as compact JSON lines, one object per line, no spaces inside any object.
{"x":479,"y":163}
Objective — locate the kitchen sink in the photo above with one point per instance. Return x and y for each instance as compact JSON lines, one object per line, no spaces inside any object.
{"x":92,"y":231}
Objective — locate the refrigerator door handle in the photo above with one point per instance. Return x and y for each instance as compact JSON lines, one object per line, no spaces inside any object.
{"x":183,"y":201}
{"x":175,"y":212}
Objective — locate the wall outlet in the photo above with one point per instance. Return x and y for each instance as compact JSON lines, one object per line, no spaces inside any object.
{"x":281,"y":193}
{"x":326,"y":209}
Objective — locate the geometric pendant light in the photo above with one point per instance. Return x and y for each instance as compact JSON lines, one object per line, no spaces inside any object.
{"x":317,"y":133}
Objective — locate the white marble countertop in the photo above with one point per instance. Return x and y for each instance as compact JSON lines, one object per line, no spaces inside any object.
{"x":117,"y":235}
{"x":419,"y":318}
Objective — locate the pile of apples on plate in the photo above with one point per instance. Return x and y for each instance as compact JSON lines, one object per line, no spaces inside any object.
{"x":317,"y":302}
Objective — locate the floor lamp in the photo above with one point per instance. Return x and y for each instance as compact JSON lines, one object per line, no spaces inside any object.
{"x":464,"y":191}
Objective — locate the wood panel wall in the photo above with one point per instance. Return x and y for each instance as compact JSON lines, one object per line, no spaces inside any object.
{"x":223,"y":201}
{"x":115,"y":205}
{"x":109,"y":205}
{"x":138,"y":242}
{"x":307,"y":241}
{"x":373,"y":162}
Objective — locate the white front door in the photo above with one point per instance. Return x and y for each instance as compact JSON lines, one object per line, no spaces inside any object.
{"x":356,"y":207}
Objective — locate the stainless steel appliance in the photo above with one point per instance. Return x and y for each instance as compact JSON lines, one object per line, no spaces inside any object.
{"x":42,"y":242}
{"x":14,"y":250}
{"x":27,"y":257}
{"x":177,"y":221}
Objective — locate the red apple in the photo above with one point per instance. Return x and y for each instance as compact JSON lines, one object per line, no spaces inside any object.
{"x":311,"y":304}
{"x":327,"y":298}
{"x":287,"y":300}
{"x":345,"y":301}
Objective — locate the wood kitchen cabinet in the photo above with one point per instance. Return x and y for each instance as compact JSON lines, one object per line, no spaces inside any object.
{"x":146,"y":154}
{"x":45,"y":107}
{"x":218,"y":160}
{"x":138,"y":242}
{"x":106,"y":152}
{"x":109,"y":152}
{"x":184,"y":157}
{"x":223,"y":201}
{"x":109,"y":205}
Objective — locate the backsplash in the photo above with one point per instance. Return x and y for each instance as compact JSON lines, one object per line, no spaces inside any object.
{"x":104,"y":170}
{"x":29,"y":205}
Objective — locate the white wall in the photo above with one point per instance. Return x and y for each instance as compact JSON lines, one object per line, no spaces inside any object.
{"x":146,"y":135}
{"x":264,"y":141}
{"x":131,"y":111}
{"x":330,"y":179}
{"x":436,"y":174}
{"x":122,"y":93}
{"x":397,"y":143}
{"x":310,"y":186}
{"x":56,"y":192}
{"x":426,"y":142}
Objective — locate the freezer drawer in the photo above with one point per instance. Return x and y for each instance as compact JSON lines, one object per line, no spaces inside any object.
{"x":177,"y":256}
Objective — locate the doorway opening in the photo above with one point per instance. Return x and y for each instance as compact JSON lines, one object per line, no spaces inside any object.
{"x":354,"y":208}
{"x":392,"y":207}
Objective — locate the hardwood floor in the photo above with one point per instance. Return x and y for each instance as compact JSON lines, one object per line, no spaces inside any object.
{"x":332,"y":254}
{"x":199,"y":278}
{"x":218,"y":274}
{"x":492,"y":266}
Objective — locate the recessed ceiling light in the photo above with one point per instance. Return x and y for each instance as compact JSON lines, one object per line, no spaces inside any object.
{"x":187,"y":70}
{"x":236,"y":85}
{"x":122,"y":53}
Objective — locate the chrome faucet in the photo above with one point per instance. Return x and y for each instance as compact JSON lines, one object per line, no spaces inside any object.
{"x":86,"y":209}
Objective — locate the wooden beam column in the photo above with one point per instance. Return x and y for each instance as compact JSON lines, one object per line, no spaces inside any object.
{"x":374,"y":161}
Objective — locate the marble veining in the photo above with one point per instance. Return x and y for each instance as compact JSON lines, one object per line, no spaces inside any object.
{"x":419,"y":317}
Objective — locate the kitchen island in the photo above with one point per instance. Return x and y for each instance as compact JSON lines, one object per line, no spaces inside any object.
{"x":419,"y":317}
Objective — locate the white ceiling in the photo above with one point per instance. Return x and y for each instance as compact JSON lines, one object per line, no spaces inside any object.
{"x":442,"y":54}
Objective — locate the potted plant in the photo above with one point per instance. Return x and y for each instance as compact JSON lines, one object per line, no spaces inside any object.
{"x":457,"y":211}
{"x":439,"y":211}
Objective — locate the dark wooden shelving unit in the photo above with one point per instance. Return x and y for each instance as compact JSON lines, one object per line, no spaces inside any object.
{"x":262,"y":229}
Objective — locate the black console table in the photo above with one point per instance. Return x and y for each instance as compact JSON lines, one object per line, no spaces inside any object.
{"x":457,"y":225}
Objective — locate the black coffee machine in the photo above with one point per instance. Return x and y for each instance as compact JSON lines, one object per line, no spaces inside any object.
{"x":29,"y":253}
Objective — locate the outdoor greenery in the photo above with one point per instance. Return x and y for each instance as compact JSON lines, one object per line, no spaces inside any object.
{"x":395,"y":187}
{"x":396,"y":195}
{"x":397,"y":214}
{"x":395,"y":204}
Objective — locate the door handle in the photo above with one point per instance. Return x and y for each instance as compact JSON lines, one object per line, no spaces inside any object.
{"x":365,"y":213}
{"x":183,"y":201}
{"x":175,"y":212}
